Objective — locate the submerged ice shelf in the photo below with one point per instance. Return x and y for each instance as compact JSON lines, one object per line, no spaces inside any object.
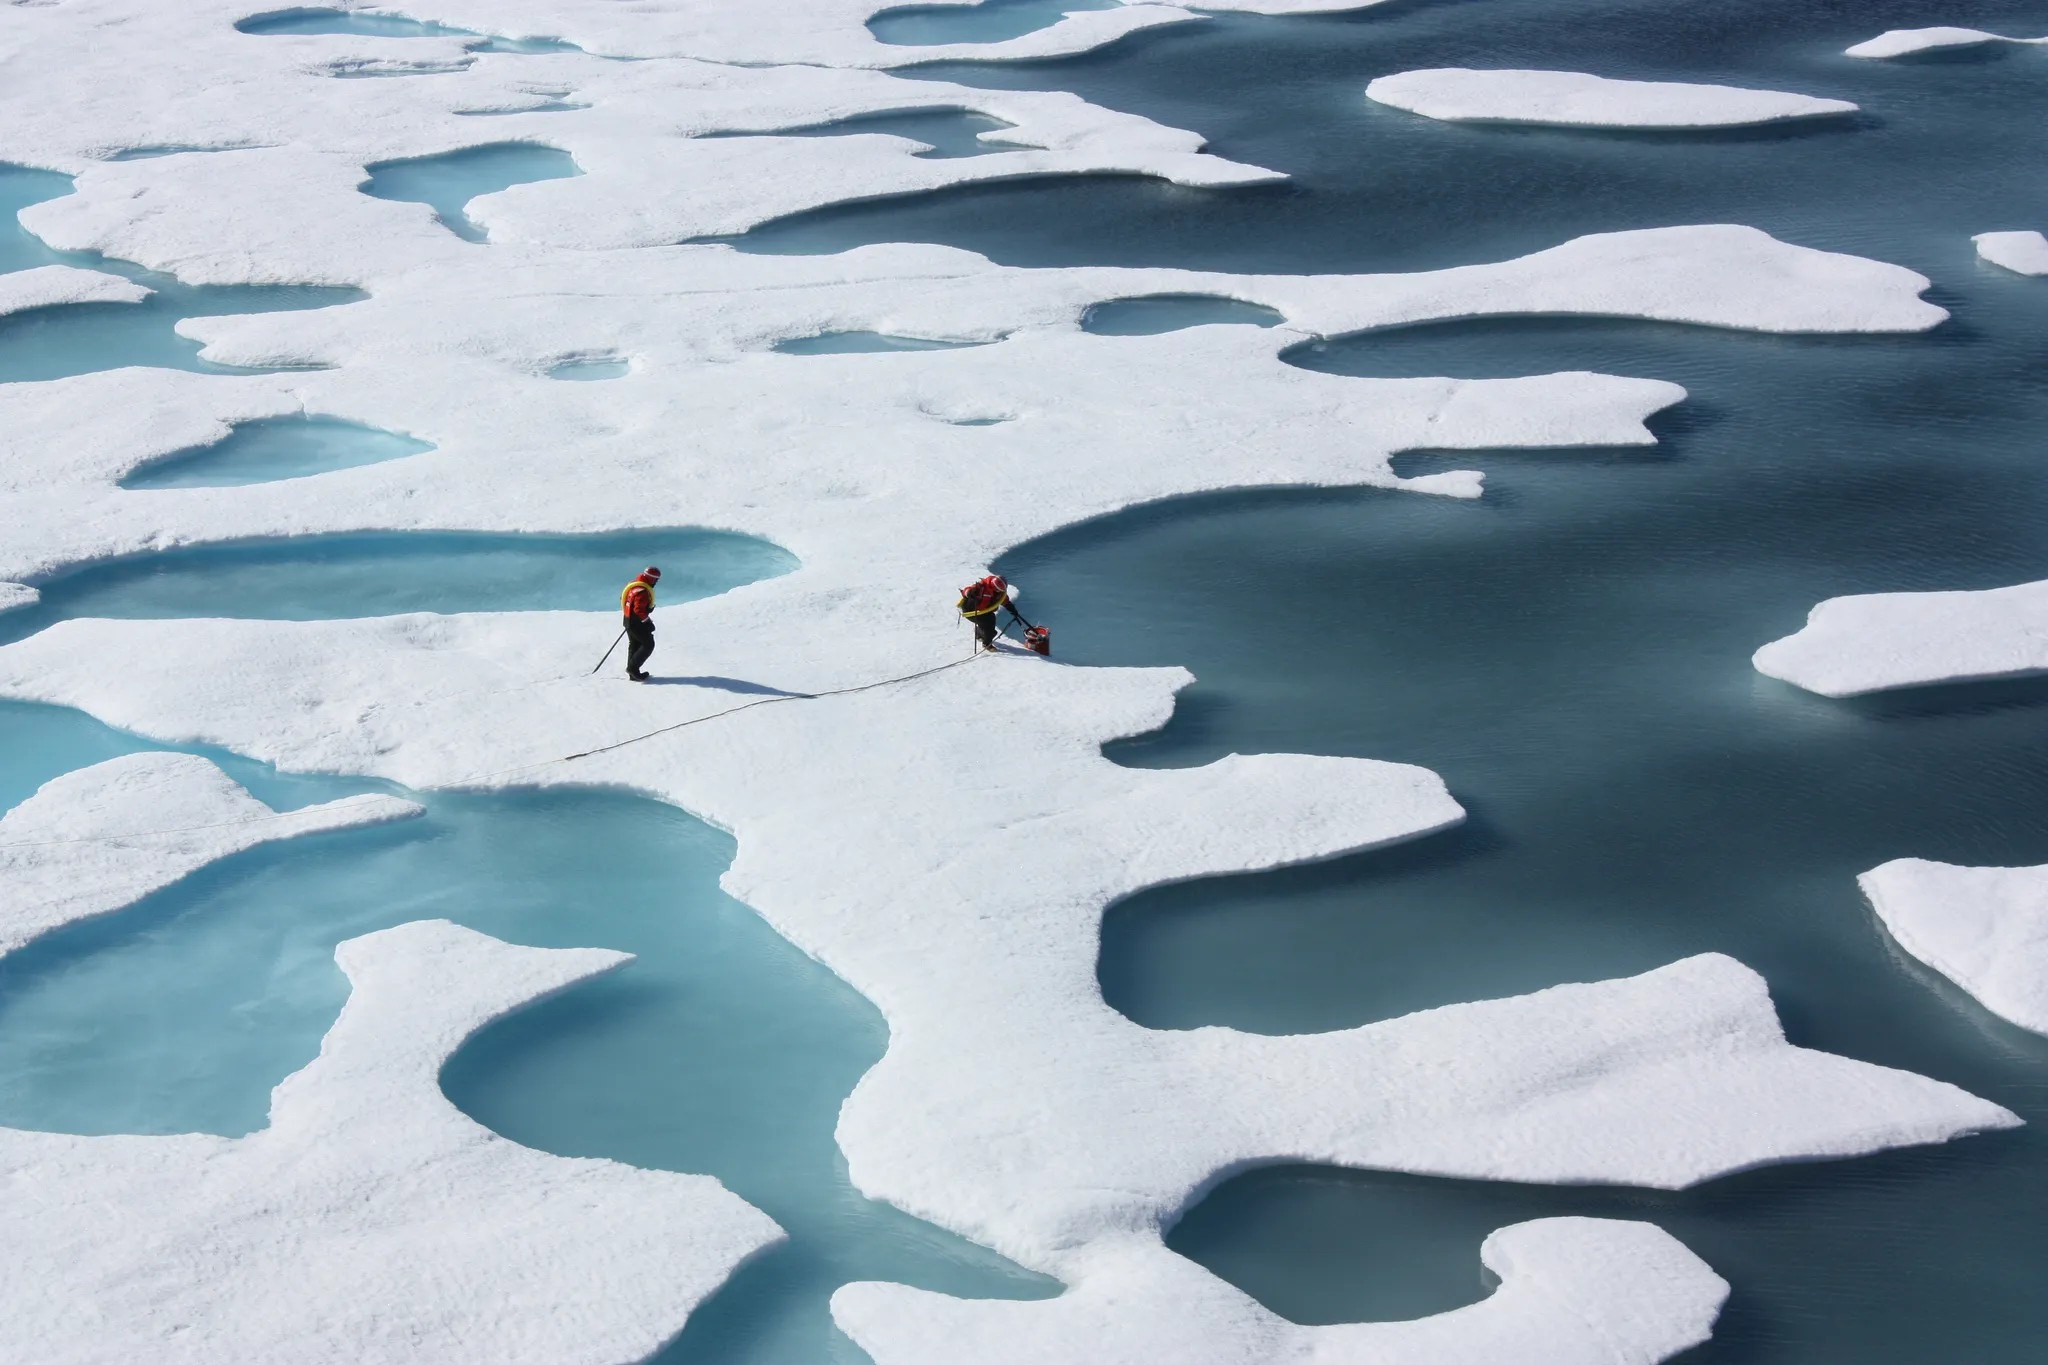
{"x":267,"y":450}
{"x":946,"y":133}
{"x":1149,"y":316}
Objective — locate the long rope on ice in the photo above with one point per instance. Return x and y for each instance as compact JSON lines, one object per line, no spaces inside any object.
{"x":469,"y":778}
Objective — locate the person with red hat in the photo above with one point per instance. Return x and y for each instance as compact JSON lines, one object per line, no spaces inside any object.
{"x":979,"y":603}
{"x":637,"y":602}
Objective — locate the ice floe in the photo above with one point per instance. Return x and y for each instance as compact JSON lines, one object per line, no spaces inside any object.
{"x":1984,"y":928}
{"x":997,"y":1023}
{"x":1874,"y":641}
{"x":14,"y":596}
{"x":96,"y":840}
{"x":370,"y":1211}
{"x":371,"y":1221}
{"x":46,"y":286}
{"x":876,"y":829}
{"x":2025,"y":253}
{"x":1904,"y":42}
{"x":1573,"y":1291}
{"x":1576,"y":99}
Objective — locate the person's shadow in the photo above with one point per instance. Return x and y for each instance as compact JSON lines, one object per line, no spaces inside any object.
{"x":728,"y":685}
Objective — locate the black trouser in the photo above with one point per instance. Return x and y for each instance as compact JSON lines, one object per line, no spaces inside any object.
{"x":985,"y":630}
{"x":640,"y":633}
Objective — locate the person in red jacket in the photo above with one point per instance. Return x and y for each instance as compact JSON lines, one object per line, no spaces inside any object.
{"x":979,"y":603}
{"x":637,"y":602}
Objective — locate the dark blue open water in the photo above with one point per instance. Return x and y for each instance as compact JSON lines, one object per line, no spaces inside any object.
{"x":1571,"y":653}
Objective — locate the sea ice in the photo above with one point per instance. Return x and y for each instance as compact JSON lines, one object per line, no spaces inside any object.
{"x":1576,"y":99}
{"x":48,"y":286}
{"x":2023,"y":252}
{"x":1874,"y":641}
{"x":996,"y":1016}
{"x":1573,"y":1291}
{"x":73,"y":851}
{"x":371,"y":1221}
{"x":1984,"y":928}
{"x":877,"y":830}
{"x":14,"y":596}
{"x":1904,"y":42}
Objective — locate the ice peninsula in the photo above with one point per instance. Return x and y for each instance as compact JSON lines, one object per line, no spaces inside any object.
{"x":1576,"y":99}
{"x":1984,"y":928}
{"x":1875,"y":641}
{"x":1904,"y":42}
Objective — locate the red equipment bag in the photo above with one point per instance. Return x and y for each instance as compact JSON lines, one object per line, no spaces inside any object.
{"x":1039,"y":641}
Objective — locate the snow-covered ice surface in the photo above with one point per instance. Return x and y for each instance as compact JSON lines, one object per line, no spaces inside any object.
{"x":1905,"y":42}
{"x":48,"y":285}
{"x":1984,"y":928}
{"x":2025,"y":253}
{"x":1572,"y":1292}
{"x":1013,"y":1105}
{"x":80,"y":846}
{"x":1577,"y":99}
{"x":1868,"y":643}
{"x":368,"y":1190}
{"x":14,"y":596}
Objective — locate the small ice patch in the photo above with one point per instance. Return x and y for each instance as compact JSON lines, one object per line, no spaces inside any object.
{"x":1905,"y":42}
{"x":1576,"y":99}
{"x":1876,"y":641}
{"x":272,"y":449}
{"x":50,"y":286}
{"x":17,"y":597}
{"x":1984,"y":928}
{"x":2025,"y":253}
{"x":1153,"y":314}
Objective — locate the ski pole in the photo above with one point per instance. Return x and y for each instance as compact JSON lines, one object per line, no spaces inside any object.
{"x":608,"y":653}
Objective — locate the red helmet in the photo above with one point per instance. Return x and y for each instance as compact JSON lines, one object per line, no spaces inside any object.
{"x":651,"y":574}
{"x":995,"y":580}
